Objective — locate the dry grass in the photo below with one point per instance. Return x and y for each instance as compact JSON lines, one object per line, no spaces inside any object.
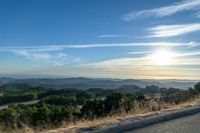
{"x":73,"y":128}
{"x":103,"y":122}
{"x":24,"y":130}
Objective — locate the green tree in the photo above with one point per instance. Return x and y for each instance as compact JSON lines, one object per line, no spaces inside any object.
{"x":197,"y":87}
{"x":192,"y":91}
{"x":93,"y":109}
{"x":128,"y":104}
{"x":11,"y":117}
{"x":114,"y":102}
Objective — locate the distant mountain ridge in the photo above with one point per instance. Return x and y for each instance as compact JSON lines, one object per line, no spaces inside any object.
{"x":85,"y":83}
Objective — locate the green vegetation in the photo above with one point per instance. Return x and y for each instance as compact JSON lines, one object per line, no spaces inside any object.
{"x":71,"y":105}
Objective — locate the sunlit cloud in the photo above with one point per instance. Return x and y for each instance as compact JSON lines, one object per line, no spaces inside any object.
{"x":186,"y":5}
{"x":142,"y":62}
{"x":44,"y":53}
{"x":162,"y":57}
{"x":188,"y":54}
{"x":156,"y":58}
{"x":143,"y":67}
{"x":173,"y":30}
{"x":115,"y":63}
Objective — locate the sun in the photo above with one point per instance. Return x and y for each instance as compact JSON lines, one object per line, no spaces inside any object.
{"x":162,"y":57}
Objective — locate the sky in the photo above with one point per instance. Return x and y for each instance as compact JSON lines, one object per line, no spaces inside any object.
{"x":136,"y":39}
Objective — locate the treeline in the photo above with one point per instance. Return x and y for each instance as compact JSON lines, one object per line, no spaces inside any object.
{"x":20,"y":95}
{"x":53,"y":110}
{"x":71,"y":105}
{"x":178,"y":96}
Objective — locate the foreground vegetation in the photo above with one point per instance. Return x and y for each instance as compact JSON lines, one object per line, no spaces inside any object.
{"x":71,"y":105}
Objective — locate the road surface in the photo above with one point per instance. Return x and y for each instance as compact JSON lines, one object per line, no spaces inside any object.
{"x":178,"y":121}
{"x":22,"y":103}
{"x":189,"y":124}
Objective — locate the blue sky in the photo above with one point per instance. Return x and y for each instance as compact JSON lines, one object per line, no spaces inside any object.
{"x":108,"y":38}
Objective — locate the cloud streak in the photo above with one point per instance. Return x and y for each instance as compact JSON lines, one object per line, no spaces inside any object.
{"x":84,"y":46}
{"x":139,"y":52}
{"x":197,"y":14}
{"x":112,"y":36}
{"x":180,"y":59}
{"x":54,"y":54}
{"x":186,"y":5}
{"x":172,"y":30}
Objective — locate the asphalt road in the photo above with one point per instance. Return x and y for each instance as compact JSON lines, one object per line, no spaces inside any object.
{"x":178,"y":121}
{"x":188,"y":124}
{"x":22,"y":103}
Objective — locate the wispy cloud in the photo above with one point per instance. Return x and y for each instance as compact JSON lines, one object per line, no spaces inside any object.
{"x":195,"y":53}
{"x":77,"y":59}
{"x":83,"y":46}
{"x":183,"y":58}
{"x":173,"y":30}
{"x":112,"y":36}
{"x":142,"y":67}
{"x":55,"y":54}
{"x":193,"y":44}
{"x":139,"y":52}
{"x":114,"y":63}
{"x":197,"y":14}
{"x":186,"y":5}
{"x":33,"y":56}
{"x":54,"y":59}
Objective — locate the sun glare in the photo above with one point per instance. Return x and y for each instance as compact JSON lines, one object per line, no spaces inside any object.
{"x":162,"y":57}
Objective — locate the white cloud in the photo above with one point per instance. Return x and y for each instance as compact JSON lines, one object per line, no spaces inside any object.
{"x":42,"y":57}
{"x":139,"y":52}
{"x":111,"y":36}
{"x":82,"y":46}
{"x":34,"y":56}
{"x":193,"y":44}
{"x":60,"y":55}
{"x":77,"y":60}
{"x":54,"y":54}
{"x":195,"y":53}
{"x":173,"y":30}
{"x":186,"y":5}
